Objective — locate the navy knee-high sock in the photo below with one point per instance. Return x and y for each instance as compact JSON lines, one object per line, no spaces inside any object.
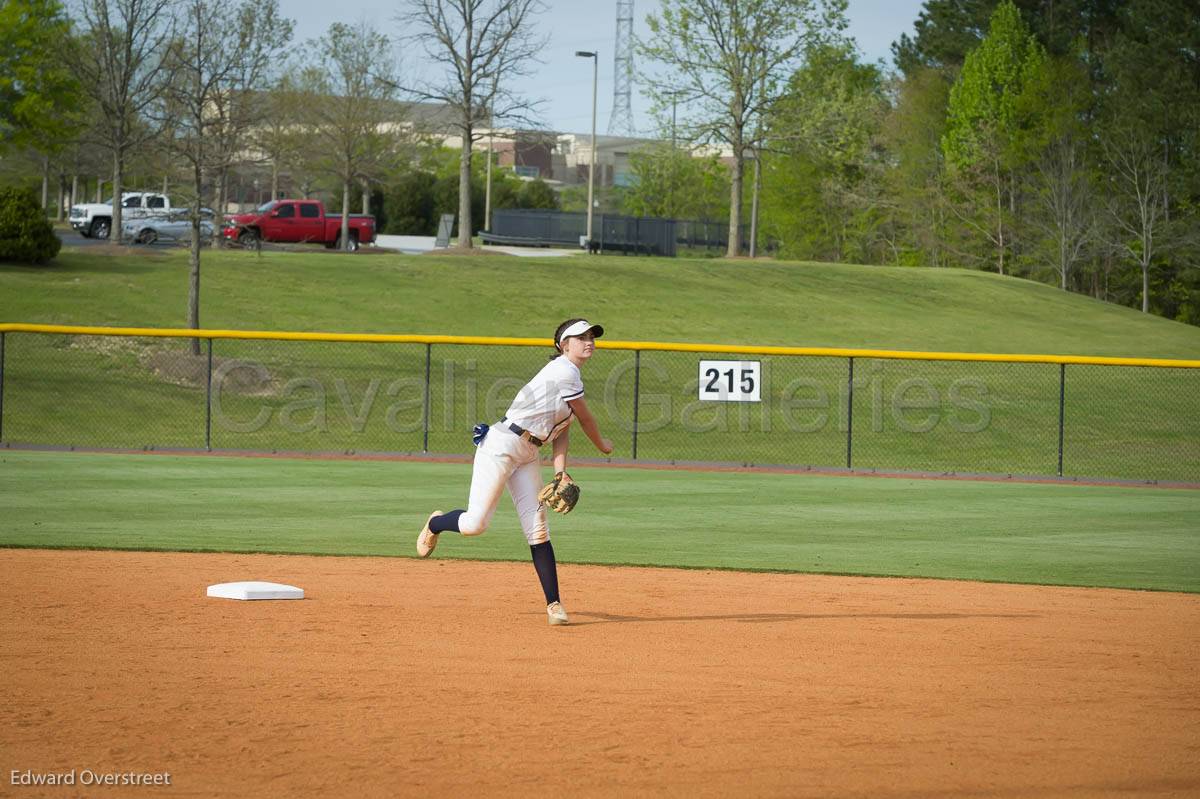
{"x":547,"y":570}
{"x":447,"y":522}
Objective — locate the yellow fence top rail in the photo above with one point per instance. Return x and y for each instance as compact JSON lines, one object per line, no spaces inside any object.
{"x":645,"y":346}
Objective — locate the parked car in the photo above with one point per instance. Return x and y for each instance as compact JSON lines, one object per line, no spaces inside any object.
{"x":94,"y":220}
{"x":299,"y":221}
{"x":174,"y":225}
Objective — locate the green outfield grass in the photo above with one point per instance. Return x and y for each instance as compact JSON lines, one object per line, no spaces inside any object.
{"x":1008,"y":532}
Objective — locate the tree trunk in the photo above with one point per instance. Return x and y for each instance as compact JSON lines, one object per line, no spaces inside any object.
{"x":366,"y":205}
{"x":345,"y":234}
{"x":114,"y":234}
{"x":274,"y":179}
{"x":754,"y":204}
{"x":74,"y":188}
{"x":1000,"y":218}
{"x":45,"y":183}
{"x":735,"y":198}
{"x":62,"y":196}
{"x":1145,"y":288}
{"x":194,"y":258}
{"x":464,"y":191}
{"x":219,"y":204}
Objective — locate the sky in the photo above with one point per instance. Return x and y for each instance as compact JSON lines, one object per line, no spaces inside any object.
{"x":563,"y":81}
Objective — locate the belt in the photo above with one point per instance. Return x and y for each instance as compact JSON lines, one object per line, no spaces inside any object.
{"x":522,"y":432}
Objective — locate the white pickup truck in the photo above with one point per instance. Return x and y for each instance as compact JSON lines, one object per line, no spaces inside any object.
{"x":94,"y":220}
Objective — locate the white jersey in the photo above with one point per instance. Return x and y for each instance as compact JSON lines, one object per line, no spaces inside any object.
{"x":541,"y":405}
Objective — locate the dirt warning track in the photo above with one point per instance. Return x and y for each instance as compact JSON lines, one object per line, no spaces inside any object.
{"x":398,"y":677}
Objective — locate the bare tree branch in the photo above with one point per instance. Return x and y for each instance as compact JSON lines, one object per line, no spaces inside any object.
{"x":482,"y":48}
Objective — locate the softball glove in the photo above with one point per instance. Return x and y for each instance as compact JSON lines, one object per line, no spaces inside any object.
{"x":560,"y":494}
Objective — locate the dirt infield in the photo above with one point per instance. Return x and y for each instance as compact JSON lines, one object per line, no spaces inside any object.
{"x":400,"y":677}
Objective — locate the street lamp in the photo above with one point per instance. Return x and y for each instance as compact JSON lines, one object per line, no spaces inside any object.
{"x":595,"y":56}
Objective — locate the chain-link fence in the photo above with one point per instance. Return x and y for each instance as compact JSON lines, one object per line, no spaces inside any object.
{"x":837,"y":409}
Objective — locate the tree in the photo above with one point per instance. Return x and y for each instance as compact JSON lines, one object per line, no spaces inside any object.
{"x":211,"y":73}
{"x":120,"y":60}
{"x":262,"y":35}
{"x":482,"y":47}
{"x":279,"y":135}
{"x":947,"y":30}
{"x":1061,"y":178}
{"x":911,"y":135}
{"x":37,"y":92}
{"x":351,"y":87}
{"x":674,"y":183}
{"x":944,"y":32}
{"x":986,"y":121}
{"x":1137,"y":185}
{"x":828,"y":122}
{"x":729,"y":59}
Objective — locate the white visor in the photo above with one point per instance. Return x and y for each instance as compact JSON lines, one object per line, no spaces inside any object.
{"x":579,"y":328}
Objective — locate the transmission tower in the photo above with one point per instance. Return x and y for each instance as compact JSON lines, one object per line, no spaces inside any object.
{"x":621,"y":121}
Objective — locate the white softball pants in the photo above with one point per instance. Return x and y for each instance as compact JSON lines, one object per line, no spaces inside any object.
{"x":505,"y":459}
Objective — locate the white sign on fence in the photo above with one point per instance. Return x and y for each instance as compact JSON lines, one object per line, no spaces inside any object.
{"x":730,"y":381}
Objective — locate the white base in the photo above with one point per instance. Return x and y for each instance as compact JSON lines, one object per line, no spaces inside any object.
{"x":255,"y":590}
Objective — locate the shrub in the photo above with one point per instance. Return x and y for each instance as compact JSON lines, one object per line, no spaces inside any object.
{"x":25,"y":233}
{"x":537,"y":194}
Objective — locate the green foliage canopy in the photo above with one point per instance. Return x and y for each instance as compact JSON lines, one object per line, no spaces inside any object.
{"x":37,"y":91}
{"x":985,"y":112}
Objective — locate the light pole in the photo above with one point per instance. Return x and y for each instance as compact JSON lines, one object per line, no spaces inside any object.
{"x":595,"y":56}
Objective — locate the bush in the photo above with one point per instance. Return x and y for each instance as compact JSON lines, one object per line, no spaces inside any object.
{"x":409,"y":205}
{"x":25,"y":233}
{"x":537,"y":194}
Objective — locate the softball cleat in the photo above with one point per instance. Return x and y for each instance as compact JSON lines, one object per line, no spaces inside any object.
{"x":556,"y":613}
{"x":427,"y":541}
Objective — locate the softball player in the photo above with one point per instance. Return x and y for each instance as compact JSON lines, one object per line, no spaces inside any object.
{"x":508,"y":455}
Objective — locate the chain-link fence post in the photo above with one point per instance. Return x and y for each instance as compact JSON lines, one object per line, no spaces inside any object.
{"x":1062,"y":412}
{"x":850,"y":416}
{"x":425,"y":409}
{"x":208,"y":401}
{"x":637,"y":376}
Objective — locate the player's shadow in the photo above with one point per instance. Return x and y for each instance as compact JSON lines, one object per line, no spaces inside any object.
{"x":767,"y":618}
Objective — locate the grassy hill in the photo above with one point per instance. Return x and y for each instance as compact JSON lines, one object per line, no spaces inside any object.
{"x":712,"y":301}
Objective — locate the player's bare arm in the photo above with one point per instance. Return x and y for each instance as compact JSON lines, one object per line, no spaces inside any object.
{"x":560,"y":451}
{"x":588,"y":423}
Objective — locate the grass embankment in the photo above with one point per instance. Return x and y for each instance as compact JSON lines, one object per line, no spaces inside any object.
{"x":701,"y":300}
{"x":1053,"y":534}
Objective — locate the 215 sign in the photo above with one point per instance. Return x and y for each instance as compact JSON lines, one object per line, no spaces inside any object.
{"x":730,"y":381}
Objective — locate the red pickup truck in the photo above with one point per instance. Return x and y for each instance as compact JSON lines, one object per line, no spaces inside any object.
{"x":297,"y":220}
